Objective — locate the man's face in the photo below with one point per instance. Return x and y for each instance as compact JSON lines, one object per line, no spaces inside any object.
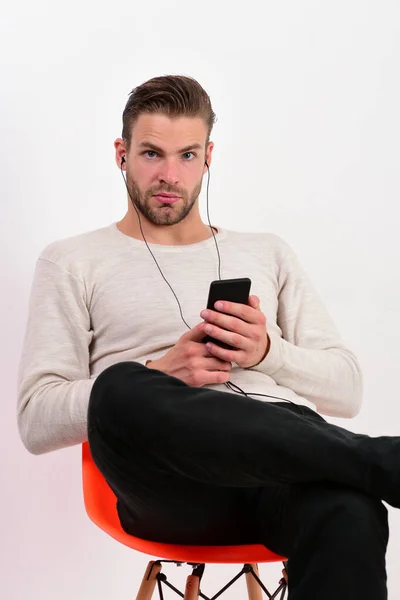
{"x":166,"y":155}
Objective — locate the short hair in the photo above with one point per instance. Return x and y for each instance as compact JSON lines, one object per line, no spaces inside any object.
{"x":171,"y":95}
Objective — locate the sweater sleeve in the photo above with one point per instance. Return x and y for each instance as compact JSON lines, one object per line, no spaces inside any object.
{"x":53,"y":377}
{"x":54,"y":381}
{"x":307,"y":354}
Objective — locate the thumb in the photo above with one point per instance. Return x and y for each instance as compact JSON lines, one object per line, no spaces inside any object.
{"x":196,"y":334}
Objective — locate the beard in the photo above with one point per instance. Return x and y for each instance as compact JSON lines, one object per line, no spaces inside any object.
{"x":157,"y":212}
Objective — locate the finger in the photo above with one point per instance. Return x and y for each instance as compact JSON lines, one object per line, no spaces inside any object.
{"x":196,"y":334}
{"x":219,"y":365}
{"x":229,"y":337}
{"x":255,"y":302}
{"x":222,"y":353}
{"x":226,"y":322}
{"x":242,"y":311}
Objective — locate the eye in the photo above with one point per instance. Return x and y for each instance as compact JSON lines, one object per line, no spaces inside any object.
{"x":155,"y":153}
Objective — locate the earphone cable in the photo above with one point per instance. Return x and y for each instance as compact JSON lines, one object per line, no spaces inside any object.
{"x":228,"y":383}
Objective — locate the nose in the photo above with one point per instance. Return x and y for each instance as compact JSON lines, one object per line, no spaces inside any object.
{"x":168,"y":173}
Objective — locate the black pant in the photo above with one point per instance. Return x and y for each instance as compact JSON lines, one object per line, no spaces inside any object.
{"x":195,"y":466}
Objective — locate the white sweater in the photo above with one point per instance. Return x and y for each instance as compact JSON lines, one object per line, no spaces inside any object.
{"x":98,"y":298}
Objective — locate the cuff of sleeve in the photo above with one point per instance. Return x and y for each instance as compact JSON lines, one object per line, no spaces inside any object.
{"x":142,"y":361}
{"x":274,"y":359}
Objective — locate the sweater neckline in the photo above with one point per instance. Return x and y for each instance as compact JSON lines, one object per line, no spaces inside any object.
{"x":221,"y":235}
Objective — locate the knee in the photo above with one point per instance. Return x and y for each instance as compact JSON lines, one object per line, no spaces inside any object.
{"x":109,"y":392}
{"x":113,"y":374}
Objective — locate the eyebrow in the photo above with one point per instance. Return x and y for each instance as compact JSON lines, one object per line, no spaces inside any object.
{"x":151,"y":146}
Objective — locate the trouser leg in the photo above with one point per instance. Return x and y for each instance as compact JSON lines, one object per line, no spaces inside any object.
{"x":157,"y":423}
{"x":335,"y":538}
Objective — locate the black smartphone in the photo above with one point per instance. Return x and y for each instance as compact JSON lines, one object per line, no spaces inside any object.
{"x":232,"y":290}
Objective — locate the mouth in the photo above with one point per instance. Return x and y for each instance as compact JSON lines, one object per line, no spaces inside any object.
{"x":166,"y":199}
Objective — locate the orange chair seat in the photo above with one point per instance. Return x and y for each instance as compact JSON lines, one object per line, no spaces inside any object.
{"x":100,"y":503}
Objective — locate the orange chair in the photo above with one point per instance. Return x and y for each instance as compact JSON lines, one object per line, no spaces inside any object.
{"x":100,"y":503}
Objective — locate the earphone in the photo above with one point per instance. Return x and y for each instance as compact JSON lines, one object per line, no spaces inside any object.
{"x":228,"y":383}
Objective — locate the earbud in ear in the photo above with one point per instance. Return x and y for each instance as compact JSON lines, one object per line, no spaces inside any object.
{"x":207,"y":164}
{"x":122,"y":160}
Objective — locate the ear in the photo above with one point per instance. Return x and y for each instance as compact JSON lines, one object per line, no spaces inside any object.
{"x":120,"y":152}
{"x":208,"y":157}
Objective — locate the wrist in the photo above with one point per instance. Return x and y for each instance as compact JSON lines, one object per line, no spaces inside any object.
{"x":268,"y":347}
{"x":154,"y":364}
{"x":265,"y":353}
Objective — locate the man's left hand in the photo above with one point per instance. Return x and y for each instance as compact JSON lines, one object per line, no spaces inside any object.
{"x":245,"y":330}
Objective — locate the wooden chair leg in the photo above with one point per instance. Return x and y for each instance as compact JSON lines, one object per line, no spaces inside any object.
{"x":192,"y":588}
{"x":285,"y":575}
{"x":253,"y":588}
{"x":149,"y":582}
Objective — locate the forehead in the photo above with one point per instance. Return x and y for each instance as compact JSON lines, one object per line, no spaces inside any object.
{"x":177,"y":131}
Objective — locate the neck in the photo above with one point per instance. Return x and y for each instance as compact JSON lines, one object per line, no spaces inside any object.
{"x":167,"y":236}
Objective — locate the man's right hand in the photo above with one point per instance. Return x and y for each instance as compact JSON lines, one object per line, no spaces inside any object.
{"x":190,"y":361}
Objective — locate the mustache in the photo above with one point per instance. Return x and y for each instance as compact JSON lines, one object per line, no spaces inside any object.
{"x":134,"y":190}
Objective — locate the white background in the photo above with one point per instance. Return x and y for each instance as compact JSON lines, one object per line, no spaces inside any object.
{"x":307,"y":146}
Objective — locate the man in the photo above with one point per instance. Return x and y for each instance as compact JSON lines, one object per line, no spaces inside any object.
{"x":192,"y":460}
